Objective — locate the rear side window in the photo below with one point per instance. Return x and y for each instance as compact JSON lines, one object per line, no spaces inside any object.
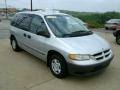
{"x":21,"y":21}
{"x":25,"y":23}
{"x":16,"y":20}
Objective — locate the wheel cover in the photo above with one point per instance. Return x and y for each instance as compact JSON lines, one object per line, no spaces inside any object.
{"x":13,"y":44}
{"x":56,"y":66}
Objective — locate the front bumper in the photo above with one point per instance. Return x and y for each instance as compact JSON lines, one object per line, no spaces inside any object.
{"x":89,"y":69}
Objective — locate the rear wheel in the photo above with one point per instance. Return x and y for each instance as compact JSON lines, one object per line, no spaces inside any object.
{"x":14,"y":44}
{"x":118,"y":39}
{"x":58,"y":66}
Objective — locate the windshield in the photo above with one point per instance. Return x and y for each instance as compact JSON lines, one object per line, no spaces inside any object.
{"x":66,"y":26}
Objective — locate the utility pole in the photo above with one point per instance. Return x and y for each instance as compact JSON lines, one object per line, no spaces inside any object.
{"x":6,"y":11}
{"x":31,"y":6}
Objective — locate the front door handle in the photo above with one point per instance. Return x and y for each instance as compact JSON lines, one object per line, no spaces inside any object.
{"x":29,"y":36}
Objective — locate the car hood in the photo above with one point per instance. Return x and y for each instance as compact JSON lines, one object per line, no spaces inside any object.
{"x":90,"y":44}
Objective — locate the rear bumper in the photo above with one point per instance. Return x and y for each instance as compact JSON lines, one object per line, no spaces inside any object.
{"x":88,"y":70}
{"x":111,"y":27}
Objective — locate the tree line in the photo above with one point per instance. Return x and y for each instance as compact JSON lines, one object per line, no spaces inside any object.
{"x":94,"y":20}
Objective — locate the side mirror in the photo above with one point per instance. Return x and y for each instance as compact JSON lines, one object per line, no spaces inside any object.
{"x":43,"y":33}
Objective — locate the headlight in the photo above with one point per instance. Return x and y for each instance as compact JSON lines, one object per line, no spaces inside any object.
{"x":80,"y":57}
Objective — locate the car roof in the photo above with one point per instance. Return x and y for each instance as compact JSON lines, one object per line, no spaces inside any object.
{"x":44,"y":13}
{"x":114,"y":19}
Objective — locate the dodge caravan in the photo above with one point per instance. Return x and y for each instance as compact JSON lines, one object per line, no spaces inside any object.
{"x":60,"y":40}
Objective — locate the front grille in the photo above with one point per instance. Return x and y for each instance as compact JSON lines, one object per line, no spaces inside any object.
{"x":102,"y":55}
{"x":99,"y":58}
{"x":106,"y":51}
{"x":107,"y":55}
{"x":98,"y":54}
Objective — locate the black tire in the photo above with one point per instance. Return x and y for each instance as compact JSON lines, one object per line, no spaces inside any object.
{"x":114,"y":28}
{"x":63,"y":73}
{"x":14,"y":42}
{"x":106,"y":28}
{"x":118,"y":39}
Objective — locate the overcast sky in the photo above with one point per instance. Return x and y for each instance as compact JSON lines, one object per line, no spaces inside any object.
{"x":75,"y":5}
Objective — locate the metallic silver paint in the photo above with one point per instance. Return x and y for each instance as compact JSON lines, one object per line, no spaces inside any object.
{"x":39,"y":45}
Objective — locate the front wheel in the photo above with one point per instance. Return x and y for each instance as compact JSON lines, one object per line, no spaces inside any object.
{"x":118,"y":39}
{"x":58,"y":66}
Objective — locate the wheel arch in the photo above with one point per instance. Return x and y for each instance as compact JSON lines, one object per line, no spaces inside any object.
{"x":11,"y":36}
{"x":50,"y":53}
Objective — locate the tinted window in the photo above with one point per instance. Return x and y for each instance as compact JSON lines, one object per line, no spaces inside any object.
{"x":38,"y":25}
{"x":24,"y":24}
{"x":16,"y":20}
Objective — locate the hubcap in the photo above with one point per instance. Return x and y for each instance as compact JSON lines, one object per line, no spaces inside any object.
{"x":56,"y":66}
{"x":13,"y":44}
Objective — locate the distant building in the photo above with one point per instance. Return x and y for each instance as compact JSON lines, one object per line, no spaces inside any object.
{"x":9,"y":10}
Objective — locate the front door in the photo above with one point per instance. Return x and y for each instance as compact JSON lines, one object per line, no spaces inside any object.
{"x":37,"y":37}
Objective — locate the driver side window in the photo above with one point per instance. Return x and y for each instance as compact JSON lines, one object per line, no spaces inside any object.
{"x":38,"y":25}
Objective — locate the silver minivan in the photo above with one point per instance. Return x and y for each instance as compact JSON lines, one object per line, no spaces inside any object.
{"x":60,"y":40}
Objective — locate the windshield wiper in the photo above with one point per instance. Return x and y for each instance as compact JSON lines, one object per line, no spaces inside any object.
{"x":78,"y":33}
